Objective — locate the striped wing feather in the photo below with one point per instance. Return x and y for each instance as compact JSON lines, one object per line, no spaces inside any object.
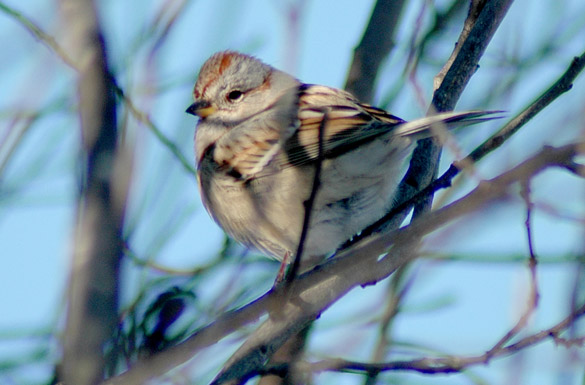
{"x":346,"y":125}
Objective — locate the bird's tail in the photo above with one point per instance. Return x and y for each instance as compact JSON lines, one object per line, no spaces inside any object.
{"x":432,"y":125}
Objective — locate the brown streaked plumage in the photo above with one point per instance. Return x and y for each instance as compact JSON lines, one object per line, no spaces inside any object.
{"x":257,"y":143}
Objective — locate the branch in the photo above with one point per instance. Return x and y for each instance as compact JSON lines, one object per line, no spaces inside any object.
{"x":360,"y":266}
{"x":478,"y":30}
{"x":93,"y":288}
{"x":357,"y":268}
{"x":139,"y":115}
{"x":376,"y":44}
{"x":313,"y":292}
{"x":440,"y":23}
{"x":308,"y":204}
{"x":398,"y":290}
{"x":450,"y":364}
{"x":562,"y":85}
{"x":145,"y":119}
{"x":37,"y":32}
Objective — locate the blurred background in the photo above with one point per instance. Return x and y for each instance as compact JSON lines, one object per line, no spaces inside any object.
{"x":466,"y":292}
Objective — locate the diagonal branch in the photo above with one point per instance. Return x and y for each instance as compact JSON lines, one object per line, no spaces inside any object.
{"x":232,"y":321}
{"x":139,"y":115}
{"x":36,"y":31}
{"x":315,"y":291}
{"x":481,"y":24}
{"x":533,"y":296}
{"x":399,"y":285}
{"x":308,"y":204}
{"x":559,"y":87}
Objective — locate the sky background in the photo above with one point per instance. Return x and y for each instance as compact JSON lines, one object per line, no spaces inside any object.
{"x":459,"y":307}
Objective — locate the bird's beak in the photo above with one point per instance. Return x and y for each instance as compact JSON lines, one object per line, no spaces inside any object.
{"x":201,"y":108}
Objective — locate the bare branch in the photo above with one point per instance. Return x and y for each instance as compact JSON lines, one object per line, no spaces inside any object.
{"x":450,"y":364}
{"x":139,"y":115}
{"x":308,"y":205}
{"x":376,"y":44}
{"x":145,"y":119}
{"x":477,"y":33}
{"x":37,"y":32}
{"x":93,"y":291}
{"x":440,"y":22}
{"x":396,"y":295}
{"x":562,"y":85}
{"x":533,"y":295}
{"x":313,"y":292}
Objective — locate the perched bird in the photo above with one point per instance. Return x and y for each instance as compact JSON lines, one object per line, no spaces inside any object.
{"x":261,"y":136}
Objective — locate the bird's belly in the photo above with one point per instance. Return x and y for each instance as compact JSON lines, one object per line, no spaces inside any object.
{"x":267,"y":213}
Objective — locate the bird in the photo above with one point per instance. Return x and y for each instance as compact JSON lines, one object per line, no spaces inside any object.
{"x":261,"y":137}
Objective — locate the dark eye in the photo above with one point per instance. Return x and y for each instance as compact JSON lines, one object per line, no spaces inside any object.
{"x":235,"y":95}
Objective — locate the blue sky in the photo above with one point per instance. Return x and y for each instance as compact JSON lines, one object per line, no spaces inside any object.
{"x":37,"y":187}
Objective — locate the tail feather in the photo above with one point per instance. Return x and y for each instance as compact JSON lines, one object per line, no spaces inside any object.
{"x":423,"y":127}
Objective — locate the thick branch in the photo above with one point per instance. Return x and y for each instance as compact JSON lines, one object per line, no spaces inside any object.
{"x":359,"y":267}
{"x":315,"y":291}
{"x":376,"y":44}
{"x":562,"y":85}
{"x":478,"y":30}
{"x":139,"y":115}
{"x":93,"y":287}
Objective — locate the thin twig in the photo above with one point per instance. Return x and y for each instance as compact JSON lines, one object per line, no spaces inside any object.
{"x":145,"y":119}
{"x":141,"y":116}
{"x":474,"y":39}
{"x":440,"y":21}
{"x":316,"y":290}
{"x":562,"y":85}
{"x":37,"y":32}
{"x":450,"y":364}
{"x":533,"y":295}
{"x":398,"y":289}
{"x":308,"y":204}
{"x":525,"y":192}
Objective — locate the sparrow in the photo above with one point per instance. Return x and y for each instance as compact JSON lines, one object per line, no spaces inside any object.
{"x":261,"y":136}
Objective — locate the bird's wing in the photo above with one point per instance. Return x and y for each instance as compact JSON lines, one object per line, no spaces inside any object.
{"x":347,"y":124}
{"x":338,"y":119}
{"x":288,"y":132}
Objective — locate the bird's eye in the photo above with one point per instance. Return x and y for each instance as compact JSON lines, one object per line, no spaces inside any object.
{"x":235,"y":95}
